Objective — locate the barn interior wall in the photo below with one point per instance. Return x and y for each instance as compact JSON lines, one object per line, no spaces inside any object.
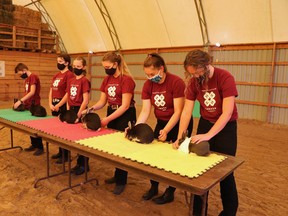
{"x":260,"y":72}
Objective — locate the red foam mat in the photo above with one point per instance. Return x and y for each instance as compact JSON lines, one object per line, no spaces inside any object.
{"x":72,"y":132}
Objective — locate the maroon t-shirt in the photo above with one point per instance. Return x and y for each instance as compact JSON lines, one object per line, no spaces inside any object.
{"x":59,"y":83}
{"x":115,"y":87}
{"x":29,"y":81}
{"x":76,"y":88}
{"x":162,"y":95}
{"x":221,"y":85}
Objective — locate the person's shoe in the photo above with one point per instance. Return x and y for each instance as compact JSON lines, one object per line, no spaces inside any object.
{"x":167,"y":197}
{"x":119,"y":189}
{"x":81,"y":170}
{"x":38,"y":152}
{"x":75,"y":168}
{"x":151,"y":193}
{"x":31,"y":148}
{"x":110,"y":180}
{"x":56,"y":156}
{"x":59,"y":160}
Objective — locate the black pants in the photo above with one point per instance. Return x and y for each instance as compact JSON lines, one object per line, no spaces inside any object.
{"x":62,"y":109}
{"x":120,"y":124}
{"x":36,"y":142}
{"x":224,"y":142}
{"x":171,"y":137}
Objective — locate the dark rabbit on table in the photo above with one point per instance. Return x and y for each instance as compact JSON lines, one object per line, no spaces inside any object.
{"x":91,"y":121}
{"x":141,"y":133}
{"x":37,"y":110}
{"x":69,"y":116}
{"x":200,"y":149}
{"x":20,"y":108}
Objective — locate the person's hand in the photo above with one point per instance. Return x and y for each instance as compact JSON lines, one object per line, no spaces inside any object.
{"x":17,"y":104}
{"x":51,"y":106}
{"x":199,"y":138}
{"x":162,"y":135}
{"x":104,"y":122}
{"x":175,"y":145}
{"x":56,"y":108}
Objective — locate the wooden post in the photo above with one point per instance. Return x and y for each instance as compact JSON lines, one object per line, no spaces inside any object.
{"x":14,"y":37}
{"x":39,"y":39}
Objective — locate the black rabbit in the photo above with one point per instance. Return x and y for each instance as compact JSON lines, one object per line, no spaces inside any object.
{"x":69,"y":117}
{"x":37,"y":110}
{"x":91,"y":121}
{"x":200,"y":149}
{"x":141,"y":133}
{"x":20,"y":108}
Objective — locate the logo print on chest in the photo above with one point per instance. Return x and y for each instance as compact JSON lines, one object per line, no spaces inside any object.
{"x":159,"y":100}
{"x":209,"y":99}
{"x":73,"y":91}
{"x":112,"y":91}
{"x":56,"y":83}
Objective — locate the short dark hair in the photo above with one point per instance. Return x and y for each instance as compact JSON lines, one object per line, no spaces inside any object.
{"x":20,"y":67}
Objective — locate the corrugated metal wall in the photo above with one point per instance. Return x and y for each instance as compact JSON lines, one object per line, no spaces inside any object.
{"x":262,"y":83}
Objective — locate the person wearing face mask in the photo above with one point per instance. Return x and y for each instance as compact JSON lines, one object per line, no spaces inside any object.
{"x":215,"y":89}
{"x":32,"y":94}
{"x":57,"y":102}
{"x":117,"y":89}
{"x":165,"y":92}
{"x":77,"y":98}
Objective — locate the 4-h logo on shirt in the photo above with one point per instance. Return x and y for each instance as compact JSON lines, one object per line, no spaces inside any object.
{"x":209,"y":99}
{"x":111,"y":91}
{"x":159,"y":100}
{"x":56,"y":83}
{"x":73,"y":91}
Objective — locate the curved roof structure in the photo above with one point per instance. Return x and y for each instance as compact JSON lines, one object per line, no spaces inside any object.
{"x":100,"y":25}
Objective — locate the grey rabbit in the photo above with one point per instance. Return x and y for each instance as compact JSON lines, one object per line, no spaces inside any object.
{"x":200,"y":149}
{"x":20,"y":108}
{"x":37,"y":110}
{"x":141,"y":133}
{"x":91,"y":121}
{"x":69,"y":116}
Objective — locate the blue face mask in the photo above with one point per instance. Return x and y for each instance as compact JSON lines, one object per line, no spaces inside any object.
{"x":156,"y":79}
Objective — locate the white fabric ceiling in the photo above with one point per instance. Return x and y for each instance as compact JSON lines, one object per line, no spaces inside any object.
{"x":165,"y":23}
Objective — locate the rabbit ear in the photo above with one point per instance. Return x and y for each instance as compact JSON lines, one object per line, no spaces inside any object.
{"x":130,"y":124}
{"x":184,"y":134}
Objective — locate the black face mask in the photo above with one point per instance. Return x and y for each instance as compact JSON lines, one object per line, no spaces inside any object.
{"x":110,"y":71}
{"x":61,"y":66}
{"x":24,"y":76}
{"x":77,"y":71}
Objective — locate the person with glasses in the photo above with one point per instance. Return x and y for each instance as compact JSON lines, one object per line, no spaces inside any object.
{"x":215,"y":89}
{"x":117,"y":89}
{"x":165,"y":92}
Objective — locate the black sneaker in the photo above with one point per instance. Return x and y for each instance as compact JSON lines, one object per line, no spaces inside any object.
{"x":81,"y":170}
{"x":167,"y":197}
{"x":56,"y":156}
{"x":119,"y":189}
{"x":59,"y":160}
{"x":110,"y":180}
{"x":31,"y":148}
{"x":38,"y":152}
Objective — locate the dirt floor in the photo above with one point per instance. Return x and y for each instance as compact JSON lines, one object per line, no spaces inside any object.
{"x":261,"y":180}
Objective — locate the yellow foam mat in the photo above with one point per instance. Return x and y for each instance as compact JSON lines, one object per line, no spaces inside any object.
{"x":157,"y":154}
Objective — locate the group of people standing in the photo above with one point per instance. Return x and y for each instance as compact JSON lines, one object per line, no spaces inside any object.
{"x":173,"y":103}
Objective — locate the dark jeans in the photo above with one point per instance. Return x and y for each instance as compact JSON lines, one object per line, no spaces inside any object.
{"x":62,"y":109}
{"x":224,"y":142}
{"x":120,"y":124}
{"x":171,"y":137}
